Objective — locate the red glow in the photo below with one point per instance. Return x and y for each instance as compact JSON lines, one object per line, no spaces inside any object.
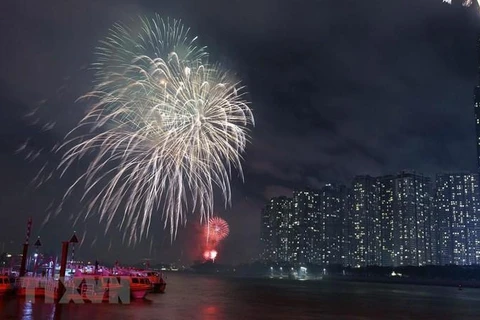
{"x":210,"y":254}
{"x":206,"y":255}
{"x":214,"y":232}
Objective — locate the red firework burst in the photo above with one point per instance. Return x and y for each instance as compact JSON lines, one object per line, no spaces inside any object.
{"x":210,"y":255}
{"x":216,"y":229}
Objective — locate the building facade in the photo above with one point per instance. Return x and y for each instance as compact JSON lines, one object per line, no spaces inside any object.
{"x":365,"y":219}
{"x":457,"y":206}
{"x":392,"y":220}
{"x":330,"y":219}
{"x":305,"y":227}
{"x":276,"y":230}
{"x":412,"y":193}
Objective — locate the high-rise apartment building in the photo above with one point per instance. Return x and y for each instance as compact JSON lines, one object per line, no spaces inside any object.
{"x":330,"y":219}
{"x":392,"y":220}
{"x":305,"y":227}
{"x":348,"y":234}
{"x":411,"y":208}
{"x":276,"y":230}
{"x":457,"y":207}
{"x":365,"y":218}
{"x":385,"y":189}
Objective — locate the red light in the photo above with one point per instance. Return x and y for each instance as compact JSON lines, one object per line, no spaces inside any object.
{"x":210,"y":254}
{"x":206,"y":255}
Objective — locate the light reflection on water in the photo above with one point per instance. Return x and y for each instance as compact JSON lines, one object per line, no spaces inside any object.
{"x":215,"y":298}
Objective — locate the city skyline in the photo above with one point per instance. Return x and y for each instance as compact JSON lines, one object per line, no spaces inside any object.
{"x":395,"y":220}
{"x":332,"y":100}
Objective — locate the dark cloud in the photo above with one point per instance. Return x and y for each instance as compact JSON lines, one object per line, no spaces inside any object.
{"x":339,"y":88}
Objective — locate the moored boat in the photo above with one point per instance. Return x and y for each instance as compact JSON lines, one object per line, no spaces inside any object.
{"x":99,"y":288}
{"x":158,"y":283}
{"x":5,"y":286}
{"x":139,"y":286}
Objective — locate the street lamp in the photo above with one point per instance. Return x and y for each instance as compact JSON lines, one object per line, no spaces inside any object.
{"x":63,"y":261}
{"x":73,"y":241}
{"x":37,"y":245}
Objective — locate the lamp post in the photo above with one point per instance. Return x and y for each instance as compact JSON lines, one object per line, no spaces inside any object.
{"x":63,"y":262}
{"x":25,"y":249}
{"x":73,"y":241}
{"x":37,"y":245}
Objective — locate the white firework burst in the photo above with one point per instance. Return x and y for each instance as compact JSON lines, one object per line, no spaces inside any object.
{"x":167,"y":128}
{"x":465,"y":3}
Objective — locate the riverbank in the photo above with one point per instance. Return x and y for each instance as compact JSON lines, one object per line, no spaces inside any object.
{"x":407,"y":280}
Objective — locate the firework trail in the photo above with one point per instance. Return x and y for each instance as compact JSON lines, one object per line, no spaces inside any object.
{"x":167,"y":128}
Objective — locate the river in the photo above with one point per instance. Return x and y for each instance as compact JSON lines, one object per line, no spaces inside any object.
{"x":192,"y":296}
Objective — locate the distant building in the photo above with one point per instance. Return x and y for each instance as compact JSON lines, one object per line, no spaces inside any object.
{"x":385,"y":187}
{"x":330,"y":221}
{"x":276,"y":230}
{"x":348,"y":232}
{"x":390,"y":219}
{"x":305,"y":227}
{"x":457,"y":207}
{"x":365,"y":221}
{"x":412,"y":194}
{"x":432,"y":232}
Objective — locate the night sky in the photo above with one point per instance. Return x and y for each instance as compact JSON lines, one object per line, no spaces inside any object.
{"x":338,"y":88}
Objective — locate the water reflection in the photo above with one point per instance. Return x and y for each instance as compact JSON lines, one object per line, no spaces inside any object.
{"x":56,"y":313}
{"x":27,"y":310}
{"x":210,"y":313}
{"x":210,"y":298}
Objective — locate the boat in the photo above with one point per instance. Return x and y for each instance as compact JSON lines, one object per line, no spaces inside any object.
{"x":156,"y":279}
{"x":5,"y":286}
{"x":139,"y":286}
{"x":100,"y":288}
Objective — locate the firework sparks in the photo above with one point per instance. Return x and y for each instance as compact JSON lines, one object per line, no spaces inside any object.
{"x":210,"y":255}
{"x":216,"y":229}
{"x":167,"y":128}
{"x":465,"y":3}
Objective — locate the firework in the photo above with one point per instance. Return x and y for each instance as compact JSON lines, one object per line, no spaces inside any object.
{"x":210,"y":255}
{"x":167,"y":128}
{"x":465,"y":3}
{"x":216,"y":229}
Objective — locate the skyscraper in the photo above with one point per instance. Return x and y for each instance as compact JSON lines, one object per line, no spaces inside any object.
{"x":386,"y":196}
{"x":411,"y":208}
{"x":432,"y":232}
{"x":305,"y":227}
{"x":348,"y":234}
{"x":457,"y":206}
{"x":390,"y":219}
{"x":330,"y":221}
{"x":366,"y":222}
{"x":275,"y":230}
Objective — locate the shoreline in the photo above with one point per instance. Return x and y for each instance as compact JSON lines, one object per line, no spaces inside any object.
{"x":413,"y":281}
{"x":374,"y":279}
